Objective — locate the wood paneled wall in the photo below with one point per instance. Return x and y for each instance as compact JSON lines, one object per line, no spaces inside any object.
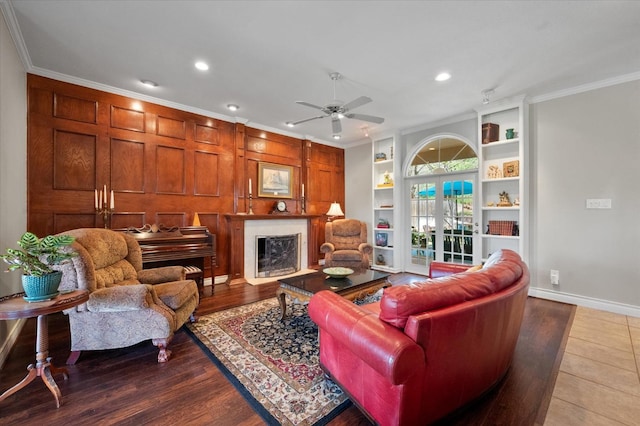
{"x":164,"y":165}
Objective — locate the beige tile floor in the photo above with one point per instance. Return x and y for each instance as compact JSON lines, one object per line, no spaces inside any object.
{"x":599,"y":378}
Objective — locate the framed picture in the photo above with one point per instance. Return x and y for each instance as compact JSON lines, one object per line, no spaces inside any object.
{"x":274,"y":180}
{"x":511,"y":169}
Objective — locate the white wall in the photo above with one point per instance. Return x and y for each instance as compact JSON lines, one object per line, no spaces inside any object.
{"x":13,"y":168}
{"x":358,"y":192}
{"x":587,"y":146}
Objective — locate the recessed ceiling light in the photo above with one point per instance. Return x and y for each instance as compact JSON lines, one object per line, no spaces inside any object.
{"x":336,"y":137}
{"x":289,"y":124}
{"x":443,"y":76}
{"x":202,"y":66}
{"x":233,"y":107}
{"x":149,"y":83}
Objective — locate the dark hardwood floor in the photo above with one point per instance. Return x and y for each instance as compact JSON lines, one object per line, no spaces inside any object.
{"x":128,"y":387}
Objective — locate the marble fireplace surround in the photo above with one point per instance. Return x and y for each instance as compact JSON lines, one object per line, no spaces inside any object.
{"x":244,"y":228}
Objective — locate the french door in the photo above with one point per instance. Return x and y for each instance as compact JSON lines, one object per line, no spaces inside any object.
{"x":444,"y":225}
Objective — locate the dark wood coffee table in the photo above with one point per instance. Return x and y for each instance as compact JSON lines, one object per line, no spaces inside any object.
{"x":355,"y":286}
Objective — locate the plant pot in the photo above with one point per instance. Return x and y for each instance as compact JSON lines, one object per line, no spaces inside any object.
{"x":41,"y":288}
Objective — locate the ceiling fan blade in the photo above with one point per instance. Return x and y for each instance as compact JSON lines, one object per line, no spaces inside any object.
{"x":310,"y":105}
{"x":364,"y":117}
{"x":336,"y":125}
{"x":308,"y":119}
{"x":362,"y":100}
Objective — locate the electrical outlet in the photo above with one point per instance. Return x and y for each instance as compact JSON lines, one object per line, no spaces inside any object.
{"x":554,"y":276}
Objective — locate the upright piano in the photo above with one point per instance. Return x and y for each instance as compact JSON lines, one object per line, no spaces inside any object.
{"x":193,"y":247}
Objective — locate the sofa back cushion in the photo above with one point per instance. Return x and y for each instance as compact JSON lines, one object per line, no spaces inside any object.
{"x":345,"y":234}
{"x":109,"y":255}
{"x":398,"y":303}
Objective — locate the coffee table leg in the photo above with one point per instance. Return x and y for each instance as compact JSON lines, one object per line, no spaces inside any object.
{"x":283,"y":302}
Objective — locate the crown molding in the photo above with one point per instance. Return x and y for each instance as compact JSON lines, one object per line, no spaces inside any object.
{"x":586,"y":87}
{"x":443,"y":122}
{"x":16,"y":34}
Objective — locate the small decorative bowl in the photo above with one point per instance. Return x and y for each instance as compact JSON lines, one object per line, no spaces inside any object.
{"x":338,"y":272}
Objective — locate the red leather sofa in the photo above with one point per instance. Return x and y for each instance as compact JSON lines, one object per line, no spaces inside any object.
{"x":427,"y":348}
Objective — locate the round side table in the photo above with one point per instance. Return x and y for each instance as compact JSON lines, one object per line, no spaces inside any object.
{"x":15,"y":307}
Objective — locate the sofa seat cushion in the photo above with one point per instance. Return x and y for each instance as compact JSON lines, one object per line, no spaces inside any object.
{"x":176,"y":293}
{"x":347,"y":255}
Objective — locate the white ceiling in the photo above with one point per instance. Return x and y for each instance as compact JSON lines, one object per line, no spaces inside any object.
{"x":265,"y":55}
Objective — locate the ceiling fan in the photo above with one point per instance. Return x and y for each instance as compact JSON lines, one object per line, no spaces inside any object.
{"x":337,"y":109}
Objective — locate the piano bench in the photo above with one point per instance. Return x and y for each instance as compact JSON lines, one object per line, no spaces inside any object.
{"x":196,"y":274}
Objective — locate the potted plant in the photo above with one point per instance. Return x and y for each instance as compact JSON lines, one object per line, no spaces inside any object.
{"x":35,"y":258}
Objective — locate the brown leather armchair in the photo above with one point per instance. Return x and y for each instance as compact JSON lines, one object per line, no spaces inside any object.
{"x":346,"y":244}
{"x":127,"y":304}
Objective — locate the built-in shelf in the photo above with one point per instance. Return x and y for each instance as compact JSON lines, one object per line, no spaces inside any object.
{"x":497,"y":159}
{"x":384,"y":175}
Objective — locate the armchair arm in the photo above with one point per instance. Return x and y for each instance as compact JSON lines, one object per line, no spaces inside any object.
{"x":383,"y":347}
{"x":120,"y":298}
{"x":365,"y":248}
{"x":327,"y":248}
{"x":163,"y":274}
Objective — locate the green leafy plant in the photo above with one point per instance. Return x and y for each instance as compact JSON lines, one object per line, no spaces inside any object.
{"x":38,"y":254}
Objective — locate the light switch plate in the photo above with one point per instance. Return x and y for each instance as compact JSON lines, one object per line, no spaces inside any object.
{"x":598,"y":203}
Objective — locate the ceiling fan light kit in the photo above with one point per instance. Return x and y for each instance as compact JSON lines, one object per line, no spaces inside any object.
{"x":338,"y":110}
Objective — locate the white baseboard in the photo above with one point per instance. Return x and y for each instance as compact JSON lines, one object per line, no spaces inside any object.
{"x":10,"y":340}
{"x":587,"y":302}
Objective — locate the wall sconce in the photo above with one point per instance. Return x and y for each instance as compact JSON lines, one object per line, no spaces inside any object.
{"x":334,"y":211}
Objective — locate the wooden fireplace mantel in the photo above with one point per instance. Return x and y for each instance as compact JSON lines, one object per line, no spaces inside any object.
{"x":235,"y":224}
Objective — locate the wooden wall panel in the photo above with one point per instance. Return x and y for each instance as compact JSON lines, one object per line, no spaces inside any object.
{"x":66,"y":221}
{"x":163,"y":164}
{"x":71,"y":108}
{"x":127,"y":166}
{"x":127,"y":119}
{"x":74,"y":161}
{"x":206,"y":134}
{"x":171,"y":128}
{"x":205,"y":170}
{"x":120,"y":220}
{"x":170,"y":219}
{"x":170,"y":170}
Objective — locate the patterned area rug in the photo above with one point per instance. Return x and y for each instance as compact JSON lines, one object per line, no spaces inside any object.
{"x":273,"y":363}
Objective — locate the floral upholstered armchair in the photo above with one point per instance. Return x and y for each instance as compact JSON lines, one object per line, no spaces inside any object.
{"x":346,"y":244}
{"x":127,"y":304}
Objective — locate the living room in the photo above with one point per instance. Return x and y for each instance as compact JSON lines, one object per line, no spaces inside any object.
{"x":582,"y":145}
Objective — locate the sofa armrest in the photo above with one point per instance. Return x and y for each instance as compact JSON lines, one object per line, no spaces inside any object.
{"x":365,"y":248}
{"x":383,"y":347}
{"x":120,"y":298}
{"x":160,"y":275}
{"x":327,"y":248}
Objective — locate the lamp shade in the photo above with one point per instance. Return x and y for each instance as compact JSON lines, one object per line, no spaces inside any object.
{"x":335,"y":210}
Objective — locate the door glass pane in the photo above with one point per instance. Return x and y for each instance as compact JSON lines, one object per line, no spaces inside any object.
{"x":422,"y":214}
{"x":457,"y":222}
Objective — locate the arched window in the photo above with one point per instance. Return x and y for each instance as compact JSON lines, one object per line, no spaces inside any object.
{"x":445,"y":154}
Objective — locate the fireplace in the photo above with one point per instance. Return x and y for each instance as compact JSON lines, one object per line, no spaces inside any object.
{"x":256,"y":227}
{"x":277,"y":255}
